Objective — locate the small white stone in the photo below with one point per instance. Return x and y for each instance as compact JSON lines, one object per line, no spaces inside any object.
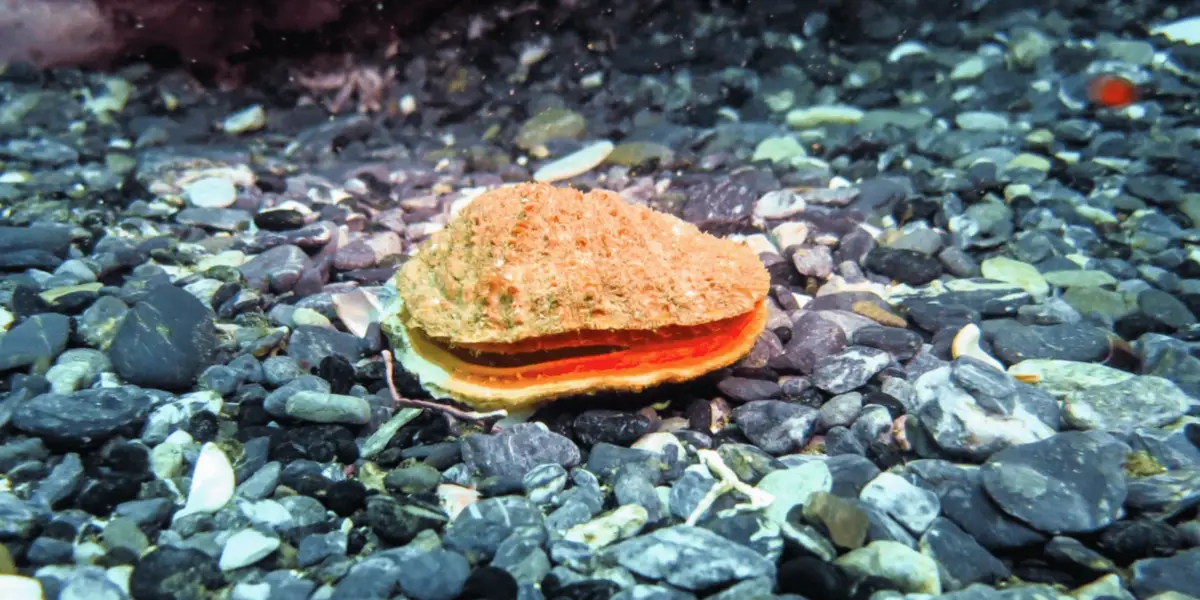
{"x":16,"y":587}
{"x":815,"y":116}
{"x":1184,"y":30}
{"x":251,"y":118}
{"x":211,"y":192}
{"x":576,"y":163}
{"x":905,"y":49}
{"x":245,"y":548}
{"x":213,"y":482}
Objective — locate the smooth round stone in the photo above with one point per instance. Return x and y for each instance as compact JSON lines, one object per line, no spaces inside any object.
{"x":1143,"y":401}
{"x":1088,"y":300}
{"x":1062,"y":377}
{"x":279,"y":219}
{"x":1072,"y":482}
{"x":1018,"y":273}
{"x":1087,"y":278}
{"x":1067,"y":341}
{"x":211,"y":192}
{"x":1165,"y":308}
{"x":907,"y":266}
{"x":165,"y":341}
{"x":245,"y":548}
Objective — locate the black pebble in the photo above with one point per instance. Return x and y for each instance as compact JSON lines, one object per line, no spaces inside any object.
{"x":282,"y":219}
{"x":345,"y":497}
{"x":338,"y":372}
{"x":812,"y":578}
{"x":170,"y":573}
{"x":203,"y":426}
{"x":489,"y":583}
{"x":906,"y":266}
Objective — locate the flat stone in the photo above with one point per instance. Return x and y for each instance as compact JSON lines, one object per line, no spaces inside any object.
{"x":39,"y":338}
{"x":688,"y":557}
{"x":517,"y":450}
{"x":1142,"y":401}
{"x":850,"y":369}
{"x":83,"y":417}
{"x":165,"y":341}
{"x":1073,"y":482}
{"x":1067,"y":341}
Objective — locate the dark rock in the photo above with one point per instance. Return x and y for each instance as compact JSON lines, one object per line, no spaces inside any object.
{"x":165,"y":341}
{"x":775,"y":426}
{"x":741,"y":389}
{"x":275,"y":270}
{"x":83,"y":417}
{"x":611,"y":426}
{"x":399,"y":522}
{"x":312,"y":344}
{"x":849,"y":369}
{"x":1072,"y":482}
{"x":1068,"y":341}
{"x":38,"y":339}
{"x":1127,"y":541}
{"x":54,"y":239}
{"x":170,"y":573}
{"x":906,"y":266}
{"x":963,"y":561}
{"x":902,"y":344}
{"x":1179,"y":573}
{"x":516,"y":450}
{"x":814,"y":339}
{"x":280,"y":219}
{"x":433,"y":575}
{"x":479,"y":530}
{"x":688,"y":557}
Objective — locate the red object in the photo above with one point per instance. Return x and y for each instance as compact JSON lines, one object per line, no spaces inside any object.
{"x":1112,"y":91}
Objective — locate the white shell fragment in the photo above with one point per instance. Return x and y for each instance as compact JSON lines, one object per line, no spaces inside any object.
{"x":576,"y":163}
{"x":245,"y":548}
{"x":1184,"y":30}
{"x":17,"y":587}
{"x":966,"y":343}
{"x":213,"y":482}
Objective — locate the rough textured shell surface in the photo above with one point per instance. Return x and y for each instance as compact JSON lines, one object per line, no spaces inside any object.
{"x":533,"y":260}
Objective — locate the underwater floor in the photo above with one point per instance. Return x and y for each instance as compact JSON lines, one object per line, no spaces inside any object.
{"x":978,"y":378}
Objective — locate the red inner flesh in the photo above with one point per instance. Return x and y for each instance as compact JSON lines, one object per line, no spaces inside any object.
{"x":613,"y":354}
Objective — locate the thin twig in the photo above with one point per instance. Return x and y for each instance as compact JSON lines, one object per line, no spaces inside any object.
{"x":485,"y":420}
{"x":727,"y":481}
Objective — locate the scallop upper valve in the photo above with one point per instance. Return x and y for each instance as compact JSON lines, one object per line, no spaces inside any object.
{"x":534,"y":292}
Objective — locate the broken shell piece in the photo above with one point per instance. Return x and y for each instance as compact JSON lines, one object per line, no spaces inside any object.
{"x":535,"y":292}
{"x":966,"y":343}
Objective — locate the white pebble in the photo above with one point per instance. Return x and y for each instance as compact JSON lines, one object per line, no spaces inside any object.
{"x":251,"y":118}
{"x":16,"y":587}
{"x":212,"y":482}
{"x":1184,"y":30}
{"x":245,"y":548}
{"x":576,"y":163}
{"x":211,"y":192}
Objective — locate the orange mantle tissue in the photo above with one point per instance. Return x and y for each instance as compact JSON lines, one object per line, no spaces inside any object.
{"x":534,"y":292}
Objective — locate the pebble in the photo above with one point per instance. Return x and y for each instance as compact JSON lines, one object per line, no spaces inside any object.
{"x":688,"y":557}
{"x":211,"y":192}
{"x":1142,"y":401}
{"x":245,"y":548}
{"x":517,"y":450}
{"x":908,"y":570}
{"x":911,"y":506}
{"x":1072,"y":482}
{"x":40,"y":338}
{"x":83,"y":417}
{"x":213,"y":482}
{"x":165,"y":341}
{"x":576,"y":163}
{"x":906,"y":266}
{"x":1018,"y":273}
{"x":849,"y":369}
